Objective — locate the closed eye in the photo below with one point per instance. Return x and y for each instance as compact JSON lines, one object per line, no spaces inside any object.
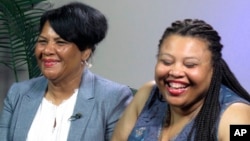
{"x":165,"y":62}
{"x":191,"y":65}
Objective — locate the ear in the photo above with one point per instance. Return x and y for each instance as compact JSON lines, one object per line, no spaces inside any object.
{"x":86,"y":54}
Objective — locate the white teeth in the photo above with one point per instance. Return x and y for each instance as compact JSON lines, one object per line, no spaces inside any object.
{"x":177,"y":85}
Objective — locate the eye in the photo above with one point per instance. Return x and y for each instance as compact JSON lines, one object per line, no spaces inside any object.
{"x":190,"y":65}
{"x":41,"y":41}
{"x":165,"y":61}
{"x":61,"y":43}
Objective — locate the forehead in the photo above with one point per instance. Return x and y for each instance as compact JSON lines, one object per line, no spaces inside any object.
{"x":178,"y":45}
{"x":48,"y":31}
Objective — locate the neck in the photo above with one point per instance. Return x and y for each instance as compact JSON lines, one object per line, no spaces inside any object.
{"x":58,"y":92}
{"x":176,"y":114}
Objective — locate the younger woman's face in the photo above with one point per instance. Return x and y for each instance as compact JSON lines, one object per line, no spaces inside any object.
{"x":183,"y":70}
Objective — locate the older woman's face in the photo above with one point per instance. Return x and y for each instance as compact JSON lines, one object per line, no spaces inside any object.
{"x":59,"y":60}
{"x":183,"y":71}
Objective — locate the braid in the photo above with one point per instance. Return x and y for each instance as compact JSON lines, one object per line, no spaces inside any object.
{"x":204,"y":123}
{"x":230,"y":81}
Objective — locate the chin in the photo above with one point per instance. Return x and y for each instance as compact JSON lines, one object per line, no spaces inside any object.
{"x":49,"y":76}
{"x":173,"y":100}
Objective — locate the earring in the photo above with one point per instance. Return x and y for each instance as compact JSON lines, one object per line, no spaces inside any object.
{"x":88,"y":64}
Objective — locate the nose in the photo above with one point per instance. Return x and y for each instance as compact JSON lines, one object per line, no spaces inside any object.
{"x":176,"y":72}
{"x":48,"y":49}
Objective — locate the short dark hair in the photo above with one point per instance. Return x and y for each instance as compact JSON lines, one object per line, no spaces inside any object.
{"x":78,"y":23}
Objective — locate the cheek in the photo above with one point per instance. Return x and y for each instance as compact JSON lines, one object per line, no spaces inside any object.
{"x":38,"y":51}
{"x":201,"y":76}
{"x":71,"y":52}
{"x":38,"y":54}
{"x":72,"y":58}
{"x":160,"y":70}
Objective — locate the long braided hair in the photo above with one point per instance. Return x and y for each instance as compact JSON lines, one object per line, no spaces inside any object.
{"x":205,"y":122}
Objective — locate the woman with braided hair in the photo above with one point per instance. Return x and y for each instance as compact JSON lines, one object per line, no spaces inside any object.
{"x":194,"y":96}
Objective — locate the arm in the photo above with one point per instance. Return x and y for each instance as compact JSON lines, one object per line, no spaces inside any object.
{"x":120,"y":100}
{"x":237,"y":113}
{"x":129,"y":117}
{"x":6,"y":115}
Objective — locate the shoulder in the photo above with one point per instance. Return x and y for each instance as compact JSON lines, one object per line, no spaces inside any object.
{"x":232,"y":104}
{"x":142,"y":95}
{"x":19,"y":88}
{"x":107,"y":84}
{"x":30,"y":83}
{"x":109,"y":87}
{"x":228,"y":97}
{"x":109,"y":92}
{"x":236,"y":113}
{"x":234,"y":110}
{"x":129,"y":117}
{"x":30,"y":88}
{"x":103,"y":84}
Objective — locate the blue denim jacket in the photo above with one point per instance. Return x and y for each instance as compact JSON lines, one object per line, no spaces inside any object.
{"x":149,"y":124}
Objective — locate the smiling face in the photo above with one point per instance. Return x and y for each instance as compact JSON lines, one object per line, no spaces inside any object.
{"x":59,"y":60}
{"x":183,"y":70}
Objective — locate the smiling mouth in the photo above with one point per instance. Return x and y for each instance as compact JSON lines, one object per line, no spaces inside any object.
{"x":49,"y":63}
{"x":176,"y":88}
{"x":177,"y":85}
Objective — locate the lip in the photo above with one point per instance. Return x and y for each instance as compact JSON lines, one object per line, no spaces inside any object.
{"x":177,"y":81}
{"x":48,"y":63}
{"x":176,"y":91}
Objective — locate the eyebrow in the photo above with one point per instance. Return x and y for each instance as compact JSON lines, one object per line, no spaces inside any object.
{"x":57,"y":38}
{"x":192,"y":58}
{"x":166,"y":54}
{"x":163,"y":54}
